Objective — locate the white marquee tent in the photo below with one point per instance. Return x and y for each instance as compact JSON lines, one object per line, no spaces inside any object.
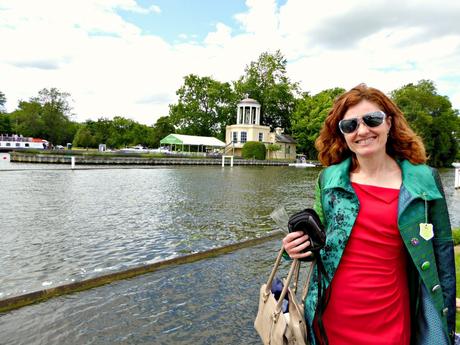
{"x":192,"y":140}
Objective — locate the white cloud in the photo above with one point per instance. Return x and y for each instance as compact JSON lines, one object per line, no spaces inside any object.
{"x":111,"y":68}
{"x":261,"y":17}
{"x":221,"y":37}
{"x":155,"y":9}
{"x":131,"y":5}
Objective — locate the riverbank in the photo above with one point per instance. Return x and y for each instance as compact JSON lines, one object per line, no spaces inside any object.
{"x":108,"y":159}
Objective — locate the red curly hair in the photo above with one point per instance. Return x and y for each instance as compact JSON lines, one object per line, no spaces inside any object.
{"x":402,"y":142}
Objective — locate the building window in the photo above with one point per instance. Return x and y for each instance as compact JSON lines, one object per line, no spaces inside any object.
{"x":8,"y":144}
{"x":244,"y":137}
{"x":261,"y":137}
{"x":27,"y":144}
{"x":288,"y":149}
{"x":234,"y":137}
{"x":18,"y":144}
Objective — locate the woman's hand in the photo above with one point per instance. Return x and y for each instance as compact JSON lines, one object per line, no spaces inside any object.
{"x":294,"y":243}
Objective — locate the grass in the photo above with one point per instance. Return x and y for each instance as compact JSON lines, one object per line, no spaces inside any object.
{"x":456,"y":236}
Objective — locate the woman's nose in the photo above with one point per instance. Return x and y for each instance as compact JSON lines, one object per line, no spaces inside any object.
{"x":362,"y":128}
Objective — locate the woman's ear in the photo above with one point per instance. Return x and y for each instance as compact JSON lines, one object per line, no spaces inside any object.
{"x":388,"y":119}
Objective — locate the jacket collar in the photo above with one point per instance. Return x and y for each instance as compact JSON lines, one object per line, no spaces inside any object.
{"x":417,"y":179}
{"x":338,"y":175}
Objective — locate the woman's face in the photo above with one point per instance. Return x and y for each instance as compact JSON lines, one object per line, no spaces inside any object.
{"x":367,"y":141}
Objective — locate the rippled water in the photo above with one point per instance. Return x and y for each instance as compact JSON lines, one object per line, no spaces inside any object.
{"x":59,"y":225}
{"x":207,"y":302}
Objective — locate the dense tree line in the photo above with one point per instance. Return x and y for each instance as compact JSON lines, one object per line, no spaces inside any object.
{"x":433,"y":118}
{"x":48,"y":116}
{"x":302,"y":115}
{"x":121,"y":132}
{"x":206,"y":106}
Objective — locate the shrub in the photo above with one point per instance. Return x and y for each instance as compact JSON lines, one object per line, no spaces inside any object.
{"x":456,"y":236}
{"x":254,"y":150}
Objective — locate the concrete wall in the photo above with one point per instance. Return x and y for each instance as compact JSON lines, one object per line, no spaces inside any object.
{"x":110,"y":160}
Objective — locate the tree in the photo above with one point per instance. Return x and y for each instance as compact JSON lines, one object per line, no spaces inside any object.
{"x":142,"y":135}
{"x":5,"y":120}
{"x":272,"y":148}
{"x":161,"y":129}
{"x":55,"y":115}
{"x":266,"y":81}
{"x":119,"y":132}
{"x":27,"y":120}
{"x":2,"y":102}
{"x":116,"y":133}
{"x":432,"y":117}
{"x":5,"y":124}
{"x":46,"y":116}
{"x":205,"y":107}
{"x":100,"y":130}
{"x":308,"y":118}
{"x":84,"y":137}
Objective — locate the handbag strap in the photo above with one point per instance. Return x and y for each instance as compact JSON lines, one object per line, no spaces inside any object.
{"x":295,"y":278}
{"x":287,"y":282}
{"x":307,"y":280}
{"x":292,"y":275}
{"x":275,"y":268}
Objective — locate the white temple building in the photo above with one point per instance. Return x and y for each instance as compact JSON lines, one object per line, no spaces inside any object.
{"x":248,"y":128}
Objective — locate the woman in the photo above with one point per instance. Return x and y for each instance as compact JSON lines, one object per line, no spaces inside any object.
{"x":389,"y":274}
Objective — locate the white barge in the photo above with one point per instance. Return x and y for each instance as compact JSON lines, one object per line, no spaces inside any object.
{"x":17,"y":142}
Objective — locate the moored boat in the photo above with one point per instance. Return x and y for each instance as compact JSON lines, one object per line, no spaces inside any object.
{"x":301,"y":162}
{"x":302,"y":165}
{"x":18,"y":142}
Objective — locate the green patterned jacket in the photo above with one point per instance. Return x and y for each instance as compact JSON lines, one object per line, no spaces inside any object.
{"x":431,"y":269}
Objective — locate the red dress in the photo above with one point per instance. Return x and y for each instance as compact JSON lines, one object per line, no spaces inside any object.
{"x":369,"y":296}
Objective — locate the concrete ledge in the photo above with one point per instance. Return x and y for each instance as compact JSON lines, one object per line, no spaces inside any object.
{"x":42,"y":295}
{"x":21,"y":157}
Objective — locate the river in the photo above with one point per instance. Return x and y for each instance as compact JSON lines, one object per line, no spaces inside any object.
{"x":60,"y":225}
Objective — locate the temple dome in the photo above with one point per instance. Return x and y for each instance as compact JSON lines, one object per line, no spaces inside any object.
{"x":248,"y":100}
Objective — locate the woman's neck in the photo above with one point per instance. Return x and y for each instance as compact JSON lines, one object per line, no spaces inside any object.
{"x":377,"y":171}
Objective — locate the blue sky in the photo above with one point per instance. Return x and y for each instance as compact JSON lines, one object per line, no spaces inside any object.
{"x":195,"y":19}
{"x":129,"y":57}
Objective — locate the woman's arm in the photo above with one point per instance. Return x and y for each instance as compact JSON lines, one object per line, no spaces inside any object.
{"x":444,"y":252}
{"x":318,"y":206}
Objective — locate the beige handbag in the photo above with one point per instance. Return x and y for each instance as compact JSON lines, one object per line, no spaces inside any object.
{"x":274,"y":326}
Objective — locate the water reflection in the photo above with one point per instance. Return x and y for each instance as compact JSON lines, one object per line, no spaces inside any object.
{"x":61,"y":225}
{"x":207,"y":302}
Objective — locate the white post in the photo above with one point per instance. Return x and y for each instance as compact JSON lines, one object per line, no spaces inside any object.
{"x":231,"y":160}
{"x":457,"y":178}
{"x":457,"y":175}
{"x":72,"y":162}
